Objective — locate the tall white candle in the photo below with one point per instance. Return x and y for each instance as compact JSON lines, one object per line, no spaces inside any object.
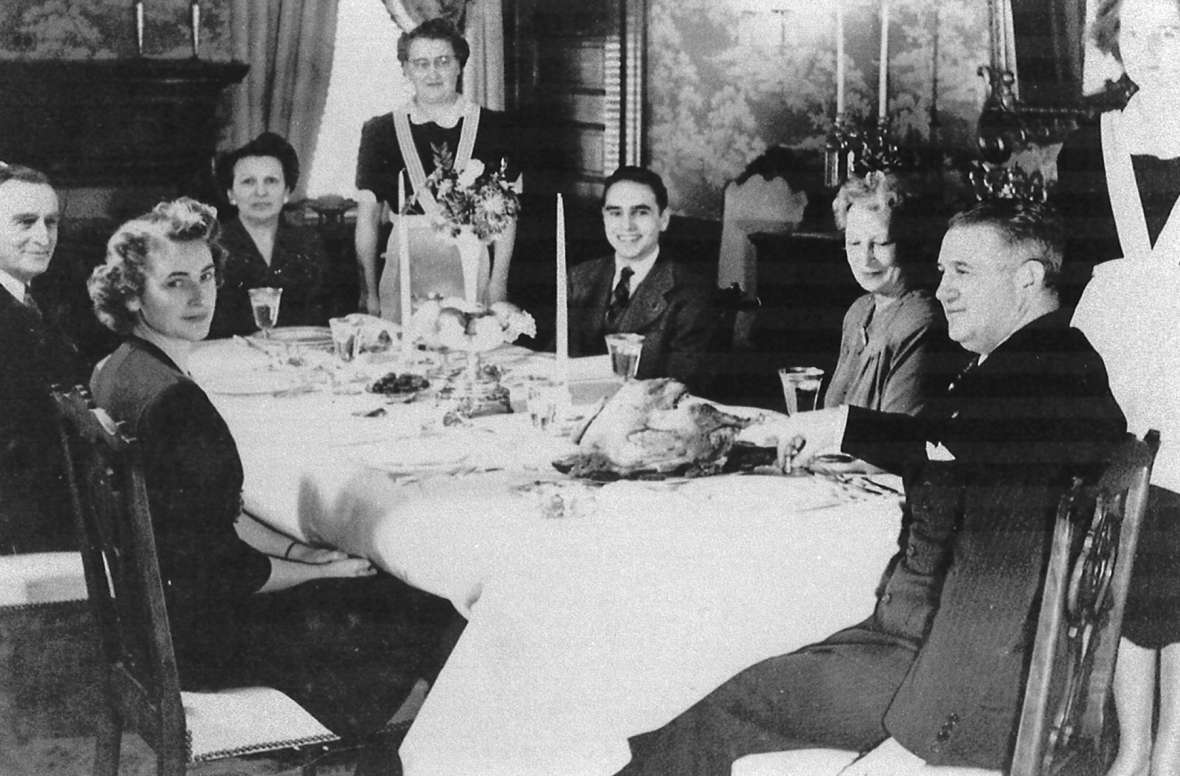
{"x":883,"y":72}
{"x":839,"y":57}
{"x":562,"y":317}
{"x":403,"y":267}
{"x":137,"y":7}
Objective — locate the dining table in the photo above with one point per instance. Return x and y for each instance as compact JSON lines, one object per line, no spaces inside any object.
{"x":595,"y":610}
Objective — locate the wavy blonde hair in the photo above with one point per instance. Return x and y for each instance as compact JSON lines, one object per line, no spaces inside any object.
{"x":120,"y":278}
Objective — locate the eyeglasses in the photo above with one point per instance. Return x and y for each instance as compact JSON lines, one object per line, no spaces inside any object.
{"x":424,"y":65}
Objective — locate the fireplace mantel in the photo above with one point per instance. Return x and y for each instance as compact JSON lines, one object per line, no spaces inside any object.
{"x":113,"y":123}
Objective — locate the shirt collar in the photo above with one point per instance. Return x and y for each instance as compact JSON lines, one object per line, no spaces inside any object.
{"x":18,"y":289}
{"x":641,"y":269}
{"x":447,"y":119}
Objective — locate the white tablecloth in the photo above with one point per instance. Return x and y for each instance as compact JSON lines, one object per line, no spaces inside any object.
{"x":583,"y":629}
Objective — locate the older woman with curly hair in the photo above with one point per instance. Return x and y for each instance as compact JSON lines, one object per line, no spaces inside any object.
{"x":247,"y":605}
{"x":892,"y":333}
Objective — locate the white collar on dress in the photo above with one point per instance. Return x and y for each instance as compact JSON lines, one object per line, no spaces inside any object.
{"x":1143,"y":134}
{"x":448,"y":118}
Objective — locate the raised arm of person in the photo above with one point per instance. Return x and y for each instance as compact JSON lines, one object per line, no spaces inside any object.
{"x":368,"y":224}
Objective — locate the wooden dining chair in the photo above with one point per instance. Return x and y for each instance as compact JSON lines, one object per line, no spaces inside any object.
{"x":139,"y":678}
{"x":1064,"y":727}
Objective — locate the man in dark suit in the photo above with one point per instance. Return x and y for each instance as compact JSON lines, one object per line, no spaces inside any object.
{"x":34,"y":501}
{"x":935,"y":674}
{"x":639,"y":289}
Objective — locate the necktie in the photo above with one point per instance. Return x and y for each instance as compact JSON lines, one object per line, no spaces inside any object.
{"x":31,"y":303}
{"x":620,"y":296}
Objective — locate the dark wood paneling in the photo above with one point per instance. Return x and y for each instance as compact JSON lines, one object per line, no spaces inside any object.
{"x":111,"y":123}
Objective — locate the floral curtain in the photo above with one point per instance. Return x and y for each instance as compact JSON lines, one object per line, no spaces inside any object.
{"x":482,"y":24}
{"x":288,"y":45}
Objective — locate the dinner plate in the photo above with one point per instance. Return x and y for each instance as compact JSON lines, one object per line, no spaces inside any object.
{"x":308,"y":336}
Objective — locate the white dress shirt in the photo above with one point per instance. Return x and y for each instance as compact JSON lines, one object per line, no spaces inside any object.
{"x":641,"y":268}
{"x":18,"y":289}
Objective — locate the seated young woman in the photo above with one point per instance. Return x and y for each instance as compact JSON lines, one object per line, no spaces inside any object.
{"x":894,"y":341}
{"x":262,"y":247}
{"x":247,"y":605}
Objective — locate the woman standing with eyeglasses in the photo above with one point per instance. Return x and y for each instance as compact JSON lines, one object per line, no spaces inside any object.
{"x":438,"y":127}
{"x":1120,"y":184}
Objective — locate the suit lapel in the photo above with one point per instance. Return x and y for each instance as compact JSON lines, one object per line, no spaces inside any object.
{"x":649,"y":300}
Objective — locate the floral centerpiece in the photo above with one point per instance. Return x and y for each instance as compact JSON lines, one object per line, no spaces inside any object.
{"x":471,"y":207}
{"x":473,"y":201}
{"x":456,"y":324}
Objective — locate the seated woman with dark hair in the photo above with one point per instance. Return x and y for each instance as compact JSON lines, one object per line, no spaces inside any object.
{"x":247,"y":605}
{"x":893,"y":335}
{"x":262,"y":248}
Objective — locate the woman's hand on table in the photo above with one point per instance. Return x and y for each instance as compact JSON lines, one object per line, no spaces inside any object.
{"x":316,"y":556}
{"x":799,"y":437}
{"x":286,"y":574}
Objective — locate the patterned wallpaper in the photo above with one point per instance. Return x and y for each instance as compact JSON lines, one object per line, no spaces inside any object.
{"x":729,"y":78}
{"x":105,"y":29}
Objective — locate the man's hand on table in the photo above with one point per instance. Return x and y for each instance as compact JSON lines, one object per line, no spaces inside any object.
{"x":799,"y":437}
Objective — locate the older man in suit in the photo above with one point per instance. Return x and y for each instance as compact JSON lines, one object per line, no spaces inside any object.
{"x":34,"y":501}
{"x":935,"y":674}
{"x":641,"y":290}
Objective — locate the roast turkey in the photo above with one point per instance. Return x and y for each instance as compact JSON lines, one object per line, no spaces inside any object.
{"x":656,"y":426}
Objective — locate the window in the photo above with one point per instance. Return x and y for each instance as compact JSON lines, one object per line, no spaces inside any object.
{"x":366,"y":80}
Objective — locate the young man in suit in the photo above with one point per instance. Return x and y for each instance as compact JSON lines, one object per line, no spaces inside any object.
{"x":935,"y":674}
{"x":34,"y":500}
{"x":641,"y":290}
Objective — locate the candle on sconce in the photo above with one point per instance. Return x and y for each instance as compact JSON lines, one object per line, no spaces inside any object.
{"x":403,"y":268}
{"x":839,"y":58}
{"x":562,"y":317}
{"x":883,"y":72}
{"x":137,"y":12}
{"x":194,"y":12}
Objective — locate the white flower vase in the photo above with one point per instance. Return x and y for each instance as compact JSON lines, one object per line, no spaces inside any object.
{"x":471,"y":250}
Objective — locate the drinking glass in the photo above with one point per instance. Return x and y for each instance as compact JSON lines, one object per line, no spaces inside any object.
{"x":265,"y":303}
{"x":800,"y":387}
{"x":345,"y":338}
{"x":543,"y":403}
{"x":624,"y":352}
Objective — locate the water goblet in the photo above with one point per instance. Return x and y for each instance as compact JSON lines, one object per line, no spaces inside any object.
{"x":265,"y":304}
{"x":625,"y":349}
{"x":801,"y":386}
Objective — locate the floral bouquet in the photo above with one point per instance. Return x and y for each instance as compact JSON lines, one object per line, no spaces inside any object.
{"x":475,"y":201}
{"x":456,"y":324}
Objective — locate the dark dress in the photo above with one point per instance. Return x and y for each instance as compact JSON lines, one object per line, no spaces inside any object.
{"x":1152,"y":615}
{"x":35,"y":512}
{"x":298,"y":265}
{"x":348,"y":650}
{"x":380,"y":159}
{"x":940,"y":663}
